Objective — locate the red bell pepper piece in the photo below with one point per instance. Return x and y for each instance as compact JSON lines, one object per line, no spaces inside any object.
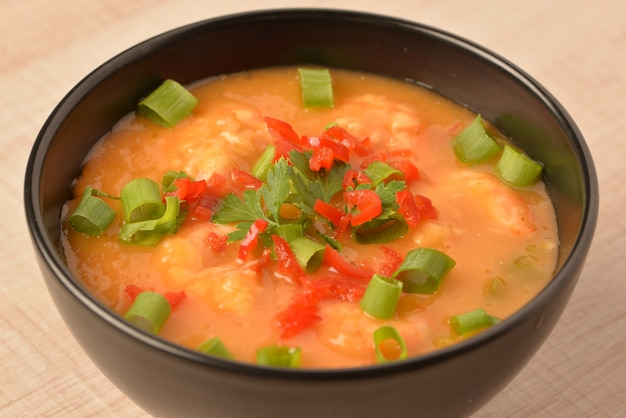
{"x":217,"y":243}
{"x":323,"y":157}
{"x":409,"y":170}
{"x":287,"y":263}
{"x":328,"y":211}
{"x":343,"y":288}
{"x":298,"y":316}
{"x":353,"y":178}
{"x":175,"y":298}
{"x":414,"y":208}
{"x":393,"y":262}
{"x":333,"y":259}
{"x":285,"y":138}
{"x":249,"y":242}
{"x":244,"y":180}
{"x":367,"y":203}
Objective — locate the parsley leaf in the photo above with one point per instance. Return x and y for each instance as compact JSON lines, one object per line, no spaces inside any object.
{"x":276,"y":190}
{"x":237,"y":210}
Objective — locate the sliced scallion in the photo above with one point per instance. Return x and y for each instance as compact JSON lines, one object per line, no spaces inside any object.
{"x":475,"y":320}
{"x":289,"y":232}
{"x":167,"y":182}
{"x":381,"y":296}
{"x":215,"y":347}
{"x":150,"y":232}
{"x":317,"y":87}
{"x":141,"y":200}
{"x":149,"y":311}
{"x":379,"y":171}
{"x":423,"y":270}
{"x":517,"y":169}
{"x":380,"y":231}
{"x":308,"y":252}
{"x":385,"y":335}
{"x":93,"y":215}
{"x":264,"y":163}
{"x":168,"y":104}
{"x":279,"y":356}
{"x":474,"y":145}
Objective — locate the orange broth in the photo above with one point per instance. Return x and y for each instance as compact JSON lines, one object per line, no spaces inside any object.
{"x":504,"y":240}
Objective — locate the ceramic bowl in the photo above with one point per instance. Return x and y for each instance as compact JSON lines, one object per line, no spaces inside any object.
{"x":168,"y":380}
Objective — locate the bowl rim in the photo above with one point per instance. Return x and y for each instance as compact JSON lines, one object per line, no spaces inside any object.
{"x":50,"y":256}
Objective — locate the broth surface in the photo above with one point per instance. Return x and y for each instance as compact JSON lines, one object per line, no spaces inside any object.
{"x":504,"y":240}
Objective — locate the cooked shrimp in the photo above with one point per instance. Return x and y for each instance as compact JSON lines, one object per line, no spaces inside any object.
{"x":348,"y":331}
{"x":505,"y":207}
{"x":383,"y":121}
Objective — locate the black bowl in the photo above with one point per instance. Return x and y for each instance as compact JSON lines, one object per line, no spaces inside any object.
{"x":168,"y":380}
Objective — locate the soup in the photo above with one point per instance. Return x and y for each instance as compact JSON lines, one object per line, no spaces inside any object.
{"x":302,"y":216}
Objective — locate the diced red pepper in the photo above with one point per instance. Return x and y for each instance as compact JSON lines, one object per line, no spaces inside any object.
{"x":407,"y":208}
{"x":175,"y":298}
{"x":393,"y":262}
{"x":298,"y":316}
{"x":333,"y":259}
{"x":182,"y":188}
{"x":132,"y":291}
{"x":353,"y":178}
{"x":367,"y":203}
{"x":409,"y":170}
{"x":285,"y":138}
{"x":244,"y":180}
{"x":249,"y":242}
{"x":415,"y":208}
{"x":340,"y":135}
{"x":216,"y":185}
{"x":217,"y":243}
{"x":425,"y":207}
{"x":328,"y":211}
{"x":347,"y":289}
{"x":340,"y":151}
{"x":323,"y":157}
{"x":287,"y":263}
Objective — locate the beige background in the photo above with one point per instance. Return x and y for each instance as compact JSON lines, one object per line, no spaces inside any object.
{"x":575,"y":48}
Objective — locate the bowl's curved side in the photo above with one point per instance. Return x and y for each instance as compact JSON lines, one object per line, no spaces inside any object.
{"x":170,"y":381}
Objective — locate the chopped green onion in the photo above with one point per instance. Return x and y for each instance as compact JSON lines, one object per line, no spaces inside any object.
{"x":264,"y":163}
{"x":289,"y":232}
{"x":381,"y":337}
{"x":167,"y":182}
{"x":141,"y":200}
{"x":517,"y":169}
{"x":379,"y":171}
{"x":381,"y":296}
{"x":149,"y":233}
{"x":168,"y":104}
{"x":472,"y":321}
{"x":279,"y":356}
{"x":149,"y":311}
{"x":308,"y":252}
{"x":380,"y":231}
{"x":317,"y":87}
{"x":215,"y":347}
{"x":423,"y":270}
{"x":474,"y":145}
{"x":93,"y":215}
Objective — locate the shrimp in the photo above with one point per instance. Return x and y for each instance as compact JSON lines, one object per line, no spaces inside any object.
{"x":503,"y":205}
{"x":382,"y":120}
{"x":188,"y":264}
{"x":348,"y":331}
{"x":239,"y":129}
